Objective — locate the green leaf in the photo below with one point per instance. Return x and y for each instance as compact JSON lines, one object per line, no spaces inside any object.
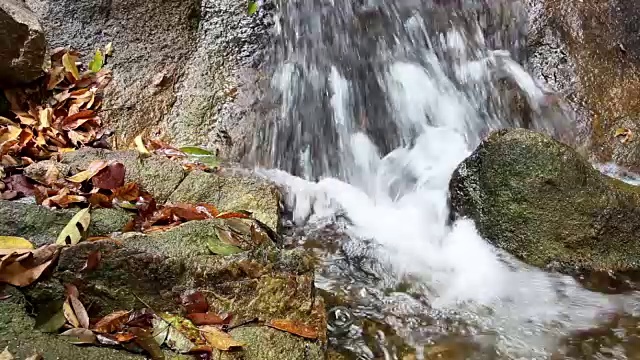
{"x":69,"y":63}
{"x":193,"y":150}
{"x":252,"y":7}
{"x":211,"y":161}
{"x":97,"y":62}
{"x":218,"y":247}
{"x":71,"y":231}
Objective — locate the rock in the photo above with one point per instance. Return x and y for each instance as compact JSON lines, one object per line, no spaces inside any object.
{"x":589,"y":51}
{"x":156,"y":174}
{"x":43,"y":171}
{"x":187,"y":72}
{"x":269,"y":344}
{"x":41,"y":225}
{"x":23,"y":48}
{"x":232,"y":190}
{"x":18,"y":334}
{"x":542,"y":202}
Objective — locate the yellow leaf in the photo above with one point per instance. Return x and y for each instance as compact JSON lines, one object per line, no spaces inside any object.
{"x":94,"y":168}
{"x":69,"y":314}
{"x":218,"y":338}
{"x":11,"y":133}
{"x":71,"y":234}
{"x":45,"y":116}
{"x":69,"y":63}
{"x":5,"y":121}
{"x":140,"y":145}
{"x":6,"y":355}
{"x":620,"y":132}
{"x":14,"y":242}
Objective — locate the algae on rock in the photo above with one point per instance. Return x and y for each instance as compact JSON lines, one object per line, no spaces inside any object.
{"x":542,"y":202}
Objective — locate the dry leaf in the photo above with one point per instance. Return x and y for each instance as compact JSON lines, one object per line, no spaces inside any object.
{"x":205,"y":319}
{"x":140,"y":145}
{"x":146,"y":341}
{"x":127,"y":192}
{"x":71,"y":234}
{"x":69,"y":63}
{"x":80,"y":311}
{"x":112,"y":322}
{"x":111,"y":177}
{"x":69,"y":314}
{"x":45,"y":117}
{"x":93,"y":260}
{"x":6,"y":355}
{"x":194,"y":302}
{"x":80,"y":336}
{"x":219,"y":339}
{"x":94,"y":168}
{"x":294,"y":327}
{"x":18,"y":275}
{"x":108,"y":50}
{"x":36,"y":356}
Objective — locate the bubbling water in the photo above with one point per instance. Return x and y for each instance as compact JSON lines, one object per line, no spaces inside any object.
{"x":371,"y":126}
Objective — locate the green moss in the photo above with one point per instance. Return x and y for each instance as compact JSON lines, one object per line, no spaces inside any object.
{"x":541,"y":201}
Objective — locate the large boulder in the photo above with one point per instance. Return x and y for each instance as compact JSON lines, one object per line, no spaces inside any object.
{"x":589,"y":51}
{"x":23,"y":47}
{"x":184,"y":70}
{"x":542,"y":202}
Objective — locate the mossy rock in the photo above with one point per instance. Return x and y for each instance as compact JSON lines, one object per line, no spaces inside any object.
{"x":42,"y":225}
{"x":158,"y":175}
{"x":231,"y":190}
{"x":542,"y":202}
{"x":269,"y":344}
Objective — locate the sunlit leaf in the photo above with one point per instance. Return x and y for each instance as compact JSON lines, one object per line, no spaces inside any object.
{"x":45,"y":116}
{"x":140,"y":145}
{"x":71,"y":234}
{"x":14,"y":242}
{"x":97,"y":62}
{"x":175,"y":332}
{"x":219,"y":339}
{"x":80,"y":311}
{"x":294,"y":327}
{"x":193,"y":150}
{"x":108,"y":50}
{"x":94,"y":168}
{"x":69,"y":63}
{"x":6,"y":355}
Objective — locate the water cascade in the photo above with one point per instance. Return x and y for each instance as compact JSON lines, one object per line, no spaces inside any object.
{"x":379,"y":101}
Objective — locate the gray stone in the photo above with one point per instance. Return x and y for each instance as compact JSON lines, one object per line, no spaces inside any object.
{"x":232,"y":189}
{"x":541,"y":201}
{"x":589,"y":52}
{"x":41,"y":225}
{"x":23,"y":48}
{"x":185,"y":70}
{"x":156,"y":174}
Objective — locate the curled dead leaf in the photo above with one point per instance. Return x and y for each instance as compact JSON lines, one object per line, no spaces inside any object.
{"x":294,"y":327}
{"x":112,"y":322}
{"x":219,"y":339}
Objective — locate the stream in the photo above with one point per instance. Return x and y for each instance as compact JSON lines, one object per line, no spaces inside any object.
{"x":378,"y":102}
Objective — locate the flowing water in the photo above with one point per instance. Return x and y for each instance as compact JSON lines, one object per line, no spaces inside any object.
{"x":379,"y":101}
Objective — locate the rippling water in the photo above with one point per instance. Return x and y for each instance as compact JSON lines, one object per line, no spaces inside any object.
{"x":379,"y":101}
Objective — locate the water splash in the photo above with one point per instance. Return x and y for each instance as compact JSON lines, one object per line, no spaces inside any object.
{"x":379,"y":102}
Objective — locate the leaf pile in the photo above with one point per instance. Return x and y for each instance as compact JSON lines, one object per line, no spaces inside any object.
{"x":198,"y":333}
{"x":57,"y":114}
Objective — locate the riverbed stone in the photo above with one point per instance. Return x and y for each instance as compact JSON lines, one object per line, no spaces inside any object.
{"x":185,"y":71}
{"x":232,"y":190}
{"x":541,"y":201}
{"x":156,"y":174}
{"x":589,"y":53}
{"x":42,"y":225}
{"x":23,"y":47}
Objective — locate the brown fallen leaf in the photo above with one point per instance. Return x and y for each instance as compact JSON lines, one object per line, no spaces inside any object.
{"x":294,"y":327}
{"x":71,"y":290}
{"x":145,"y":340}
{"x":194,"y":302}
{"x":219,"y":339}
{"x":93,"y":261}
{"x":205,"y":319}
{"x":111,"y":177}
{"x":17,"y":275}
{"x":69,"y":314}
{"x":98,"y":200}
{"x":112,"y":322}
{"x":233,"y":214}
{"x":80,"y":311}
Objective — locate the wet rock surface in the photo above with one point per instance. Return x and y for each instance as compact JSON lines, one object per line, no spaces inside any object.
{"x":183,"y":70}
{"x":589,"y":52}
{"x":541,"y":201}
{"x":23,"y":48}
